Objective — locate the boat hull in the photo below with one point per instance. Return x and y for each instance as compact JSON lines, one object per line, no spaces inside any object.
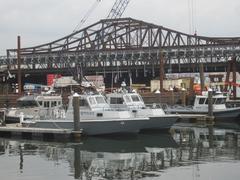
{"x":160,"y":122}
{"x":95,"y":127}
{"x":227,"y":114}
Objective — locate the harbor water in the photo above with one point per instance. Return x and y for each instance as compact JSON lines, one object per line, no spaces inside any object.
{"x":187,"y":152}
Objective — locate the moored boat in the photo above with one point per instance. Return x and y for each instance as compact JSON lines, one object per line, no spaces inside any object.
{"x":133,"y":102}
{"x":96,"y":118}
{"x":200,"y":106}
{"x":36,"y":106}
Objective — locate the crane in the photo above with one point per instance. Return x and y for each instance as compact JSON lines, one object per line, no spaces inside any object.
{"x":116,"y":11}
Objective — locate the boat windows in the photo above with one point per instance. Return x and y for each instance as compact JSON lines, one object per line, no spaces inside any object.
{"x":100,"y":100}
{"x":40,"y":103}
{"x":127,"y":99}
{"x":135,"y":98}
{"x":202,"y":136}
{"x":116,"y":100}
{"x":46,"y":104}
{"x":83,"y":102}
{"x":201,"y":100}
{"x":220,"y":101}
{"x":214,"y":100}
{"x":25,"y":104}
{"x":53,"y":103}
{"x":92,"y":100}
{"x":206,"y":101}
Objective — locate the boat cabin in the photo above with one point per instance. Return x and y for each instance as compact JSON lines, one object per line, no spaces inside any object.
{"x":201,"y":102}
{"x":125,"y":100}
{"x":42,"y":101}
{"x":36,"y":107}
{"x":91,"y":102}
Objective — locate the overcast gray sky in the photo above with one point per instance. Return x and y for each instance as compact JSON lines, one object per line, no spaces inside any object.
{"x":42,"y":21}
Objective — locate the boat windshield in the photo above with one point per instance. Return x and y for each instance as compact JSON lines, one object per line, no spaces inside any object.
{"x":127,"y":99}
{"x":135,"y":98}
{"x":220,"y":101}
{"x":100,"y":100}
{"x":83,"y":103}
{"x":92,"y":100}
{"x":217,"y":101}
{"x":26,"y":104}
{"x":116,"y":100}
{"x":202,"y":100}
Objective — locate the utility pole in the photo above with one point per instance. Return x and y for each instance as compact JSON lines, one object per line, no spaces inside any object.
{"x":202,"y":77}
{"x":161,"y":71}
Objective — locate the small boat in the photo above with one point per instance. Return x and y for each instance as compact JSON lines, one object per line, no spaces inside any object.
{"x":37,"y":106}
{"x":200,"y":106}
{"x":134,"y":103}
{"x":96,"y":118}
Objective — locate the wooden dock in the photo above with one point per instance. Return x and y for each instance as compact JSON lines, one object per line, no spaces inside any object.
{"x":16,"y":130}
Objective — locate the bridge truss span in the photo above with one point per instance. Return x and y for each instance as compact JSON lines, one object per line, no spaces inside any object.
{"x":125,"y":44}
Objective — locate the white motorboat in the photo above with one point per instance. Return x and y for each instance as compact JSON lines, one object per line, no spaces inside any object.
{"x":96,"y":118}
{"x":200,"y":106}
{"x":134,"y":103}
{"x":38,"y":106}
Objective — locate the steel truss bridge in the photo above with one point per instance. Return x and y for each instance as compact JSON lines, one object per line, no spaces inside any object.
{"x":126,"y":45}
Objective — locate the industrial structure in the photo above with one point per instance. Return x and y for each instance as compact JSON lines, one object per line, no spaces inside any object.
{"x":124,"y":47}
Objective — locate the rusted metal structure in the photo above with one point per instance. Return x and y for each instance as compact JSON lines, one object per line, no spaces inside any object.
{"x":126,"y":44}
{"x":228,"y":84}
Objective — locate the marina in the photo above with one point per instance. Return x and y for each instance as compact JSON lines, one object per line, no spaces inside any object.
{"x":148,"y":91}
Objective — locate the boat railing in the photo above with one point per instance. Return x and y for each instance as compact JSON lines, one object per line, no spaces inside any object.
{"x":157,"y":106}
{"x":176,"y":106}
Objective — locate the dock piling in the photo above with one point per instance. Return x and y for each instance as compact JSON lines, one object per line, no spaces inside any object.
{"x":76,"y":117}
{"x":210,"y":117}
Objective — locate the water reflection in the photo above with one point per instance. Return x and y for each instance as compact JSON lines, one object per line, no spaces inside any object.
{"x":142,"y":156}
